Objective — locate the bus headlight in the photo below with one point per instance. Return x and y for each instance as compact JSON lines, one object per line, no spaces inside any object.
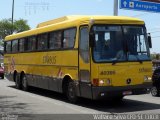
{"x":101,"y":82}
{"x":147,"y":78}
{"x":105,"y":82}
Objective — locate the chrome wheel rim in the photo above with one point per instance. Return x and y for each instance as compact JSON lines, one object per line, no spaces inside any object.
{"x":17,"y":82}
{"x":24,"y":82}
{"x":71,"y":92}
{"x":154,"y":91}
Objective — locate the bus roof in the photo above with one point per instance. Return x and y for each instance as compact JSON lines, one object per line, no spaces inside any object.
{"x":73,"y":20}
{"x":84,"y":17}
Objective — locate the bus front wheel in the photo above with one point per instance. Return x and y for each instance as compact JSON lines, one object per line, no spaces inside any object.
{"x":71,"y":92}
{"x":155,"y":91}
{"x":117,"y":98}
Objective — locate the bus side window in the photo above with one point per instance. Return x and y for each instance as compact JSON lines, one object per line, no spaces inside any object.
{"x":8,"y":47}
{"x":69,"y":38}
{"x":21,"y":44}
{"x":55,"y":40}
{"x":84,"y":44}
{"x":15,"y":46}
{"x":43,"y":42}
{"x":31,"y":46}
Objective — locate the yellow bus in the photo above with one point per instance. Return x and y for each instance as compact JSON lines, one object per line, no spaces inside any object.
{"x":95,"y":57}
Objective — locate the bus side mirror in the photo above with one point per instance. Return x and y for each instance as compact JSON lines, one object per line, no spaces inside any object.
{"x":149,"y":40}
{"x":92,"y":39}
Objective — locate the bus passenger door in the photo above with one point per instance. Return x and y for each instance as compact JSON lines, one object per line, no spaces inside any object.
{"x":84,"y":63}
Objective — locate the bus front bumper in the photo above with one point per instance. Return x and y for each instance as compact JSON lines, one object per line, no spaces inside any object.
{"x":112,"y":92}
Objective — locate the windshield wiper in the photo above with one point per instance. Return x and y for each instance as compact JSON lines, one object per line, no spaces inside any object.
{"x":119,"y":56}
{"x":114,"y":61}
{"x":140,"y":61}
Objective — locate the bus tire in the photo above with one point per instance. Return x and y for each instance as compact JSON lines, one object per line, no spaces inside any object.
{"x":118,"y":98}
{"x":155,"y":91}
{"x":71,"y":93}
{"x":2,"y":76}
{"x":17,"y":81}
{"x":25,"y":86}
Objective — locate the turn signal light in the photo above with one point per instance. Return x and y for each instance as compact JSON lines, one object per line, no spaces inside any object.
{"x":95,"y":82}
{"x":147,"y":79}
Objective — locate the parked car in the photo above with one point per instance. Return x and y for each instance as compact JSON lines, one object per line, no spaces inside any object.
{"x":2,"y":71}
{"x":155,"y":90}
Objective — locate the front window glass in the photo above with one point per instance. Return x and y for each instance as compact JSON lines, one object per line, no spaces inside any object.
{"x":136,"y":43}
{"x":108,"y":43}
{"x":119,"y":43}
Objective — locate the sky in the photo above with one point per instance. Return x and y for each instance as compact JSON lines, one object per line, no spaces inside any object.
{"x":37,"y":11}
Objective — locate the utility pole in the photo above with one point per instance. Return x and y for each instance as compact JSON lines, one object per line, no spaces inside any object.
{"x":12,"y":14}
{"x":115,"y":8}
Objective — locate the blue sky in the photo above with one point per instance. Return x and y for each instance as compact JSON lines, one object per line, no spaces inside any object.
{"x":36,"y":11}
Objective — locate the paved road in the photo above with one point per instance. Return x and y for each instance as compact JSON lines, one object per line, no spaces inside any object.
{"x":39,"y":101}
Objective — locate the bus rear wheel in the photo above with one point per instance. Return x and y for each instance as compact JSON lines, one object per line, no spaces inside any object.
{"x":17,"y":82}
{"x":25,"y":86}
{"x":71,"y":92}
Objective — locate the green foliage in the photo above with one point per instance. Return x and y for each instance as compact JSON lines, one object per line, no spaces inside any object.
{"x":1,"y":43}
{"x":155,"y":56}
{"x":6,"y":27}
{"x":21,"y":25}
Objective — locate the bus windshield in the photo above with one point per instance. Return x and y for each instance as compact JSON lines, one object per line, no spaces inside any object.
{"x":120,"y":43}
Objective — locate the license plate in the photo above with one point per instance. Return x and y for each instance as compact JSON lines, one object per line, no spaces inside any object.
{"x":127,"y":92}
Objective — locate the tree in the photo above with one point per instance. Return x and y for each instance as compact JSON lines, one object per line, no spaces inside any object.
{"x":21,"y":25}
{"x":6,"y":27}
{"x":157,"y":56}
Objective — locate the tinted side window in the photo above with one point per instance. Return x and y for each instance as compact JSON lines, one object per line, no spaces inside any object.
{"x":8,"y":46}
{"x":21,"y":45}
{"x":14,"y":45}
{"x":55,"y":40}
{"x":69,"y":38}
{"x":31,"y":43}
{"x":84,"y":44}
{"x":42,"y":42}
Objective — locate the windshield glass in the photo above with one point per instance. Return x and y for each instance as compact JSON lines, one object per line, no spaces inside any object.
{"x":137,"y":47}
{"x":119,"y":43}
